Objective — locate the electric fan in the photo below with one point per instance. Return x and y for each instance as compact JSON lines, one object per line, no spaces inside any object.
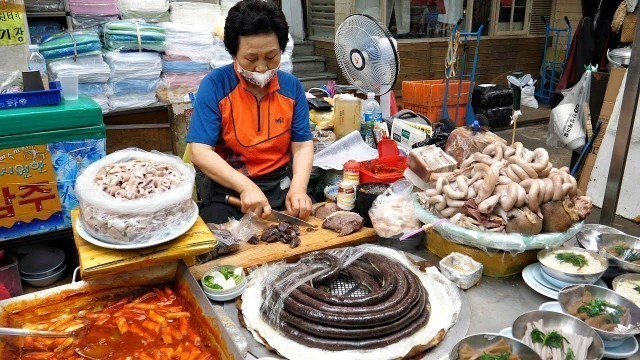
{"x":368,"y":57}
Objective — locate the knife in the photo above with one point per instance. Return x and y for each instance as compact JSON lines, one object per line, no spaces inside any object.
{"x":276,"y":216}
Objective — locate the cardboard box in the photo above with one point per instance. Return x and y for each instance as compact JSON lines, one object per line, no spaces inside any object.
{"x":613,"y":86}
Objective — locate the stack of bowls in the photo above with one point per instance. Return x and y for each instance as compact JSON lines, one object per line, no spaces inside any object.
{"x":43,"y":266}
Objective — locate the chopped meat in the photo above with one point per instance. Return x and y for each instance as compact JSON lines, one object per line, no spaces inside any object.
{"x":325,"y":210}
{"x":253,"y":240}
{"x":295,"y":242}
{"x":343,"y":222}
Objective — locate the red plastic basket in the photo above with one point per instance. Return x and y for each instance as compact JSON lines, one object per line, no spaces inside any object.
{"x":385,"y":170}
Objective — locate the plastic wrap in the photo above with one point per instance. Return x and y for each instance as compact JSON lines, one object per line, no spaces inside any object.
{"x":322,"y":139}
{"x":196,"y":44}
{"x":463,"y":142}
{"x":198,"y":15}
{"x":39,"y":28}
{"x":270,"y":285}
{"x":461,"y":269}
{"x":177,"y":86}
{"x":132,"y":86}
{"x":491,"y":96}
{"x":71,"y":44}
{"x":90,"y":69}
{"x":221,"y":56}
{"x":90,"y":22}
{"x":94,"y":7}
{"x":323,"y":119}
{"x":133,"y":101}
{"x":133,"y":35}
{"x":392,"y":213}
{"x":134,"y":65}
{"x":43,"y":5}
{"x":103,"y":101}
{"x":498,"y":116}
{"x":231,"y":234}
{"x":430,"y":159}
{"x":148,"y":10}
{"x":141,"y":220}
{"x":491,"y":241}
{"x":91,"y":89}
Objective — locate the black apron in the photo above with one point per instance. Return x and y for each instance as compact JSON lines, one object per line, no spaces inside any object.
{"x":213,"y":207}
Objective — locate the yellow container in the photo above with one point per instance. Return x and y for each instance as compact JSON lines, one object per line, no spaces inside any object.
{"x":347,"y":112}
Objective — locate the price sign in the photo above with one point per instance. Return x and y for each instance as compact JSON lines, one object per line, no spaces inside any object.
{"x":12,"y":24}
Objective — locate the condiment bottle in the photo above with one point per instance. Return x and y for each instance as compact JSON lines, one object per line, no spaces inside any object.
{"x":346,"y":196}
{"x":351,"y":172}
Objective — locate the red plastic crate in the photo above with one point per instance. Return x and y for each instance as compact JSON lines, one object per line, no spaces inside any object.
{"x":373,"y":170}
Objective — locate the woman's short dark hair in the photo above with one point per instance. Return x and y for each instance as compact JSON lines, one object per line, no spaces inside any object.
{"x":254,"y":17}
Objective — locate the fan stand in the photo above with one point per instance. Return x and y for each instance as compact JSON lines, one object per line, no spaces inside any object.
{"x":385,"y":104}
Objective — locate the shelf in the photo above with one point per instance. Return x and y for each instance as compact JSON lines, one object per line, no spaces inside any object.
{"x":150,"y":108}
{"x":39,"y":14}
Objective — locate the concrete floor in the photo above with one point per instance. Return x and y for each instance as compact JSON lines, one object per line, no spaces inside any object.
{"x":535,"y":136}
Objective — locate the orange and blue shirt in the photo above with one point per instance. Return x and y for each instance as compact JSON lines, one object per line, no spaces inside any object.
{"x":252,"y":136}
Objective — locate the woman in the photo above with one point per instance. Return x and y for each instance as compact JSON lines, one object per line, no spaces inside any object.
{"x":249,"y":132}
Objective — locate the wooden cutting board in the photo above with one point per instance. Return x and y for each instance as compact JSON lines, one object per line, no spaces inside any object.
{"x":262,"y":253}
{"x":97,"y":262}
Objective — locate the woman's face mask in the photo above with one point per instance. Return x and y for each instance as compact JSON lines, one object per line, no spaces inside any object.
{"x":258,"y":78}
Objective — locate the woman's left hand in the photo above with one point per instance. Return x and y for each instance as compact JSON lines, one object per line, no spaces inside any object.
{"x":298,"y":203}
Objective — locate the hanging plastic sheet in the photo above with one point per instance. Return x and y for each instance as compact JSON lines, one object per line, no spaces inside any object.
{"x":133,"y":35}
{"x":90,"y":69}
{"x":72,"y":44}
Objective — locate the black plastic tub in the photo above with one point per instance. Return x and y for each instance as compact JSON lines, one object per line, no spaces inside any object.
{"x":366,"y":194}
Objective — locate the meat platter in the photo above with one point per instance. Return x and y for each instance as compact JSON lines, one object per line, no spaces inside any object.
{"x":167,"y":295}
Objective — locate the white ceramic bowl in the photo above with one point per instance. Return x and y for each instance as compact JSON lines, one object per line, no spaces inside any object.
{"x":47,"y":280}
{"x":227,"y":294}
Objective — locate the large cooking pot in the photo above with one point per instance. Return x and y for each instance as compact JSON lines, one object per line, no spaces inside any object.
{"x":618,"y":58}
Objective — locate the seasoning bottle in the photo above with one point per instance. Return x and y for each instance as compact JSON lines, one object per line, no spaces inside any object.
{"x":351,"y":172}
{"x":346,"y":196}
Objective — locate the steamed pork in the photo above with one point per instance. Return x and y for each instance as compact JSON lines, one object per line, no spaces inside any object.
{"x":599,"y":313}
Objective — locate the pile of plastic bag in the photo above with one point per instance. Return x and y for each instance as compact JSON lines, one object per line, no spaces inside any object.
{"x":134,"y":79}
{"x":195,"y":43}
{"x":201,"y":15}
{"x":68,"y":45}
{"x":133,"y":35}
{"x":93,"y":73}
{"x":148,"y":10}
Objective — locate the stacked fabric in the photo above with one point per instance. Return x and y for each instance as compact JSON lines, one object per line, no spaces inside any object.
{"x":147,"y":10}
{"x":225,"y":5}
{"x":189,"y":41}
{"x":72,"y":44}
{"x":93,"y":73}
{"x":133,"y":35}
{"x":221,"y":56}
{"x":91,"y":14}
{"x":134,"y":79}
{"x":180,"y":76}
{"x":43,"y":5}
{"x":201,"y":15}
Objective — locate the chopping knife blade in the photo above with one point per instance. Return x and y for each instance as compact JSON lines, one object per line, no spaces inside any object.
{"x":276,"y":216}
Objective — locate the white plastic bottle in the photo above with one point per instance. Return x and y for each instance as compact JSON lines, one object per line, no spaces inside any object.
{"x":36,"y":62}
{"x":371,"y":114}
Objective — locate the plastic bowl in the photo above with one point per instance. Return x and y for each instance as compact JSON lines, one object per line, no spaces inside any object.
{"x":564,"y":322}
{"x":607,"y":240}
{"x":571,"y":294}
{"x":41,"y":262}
{"x":573,"y":277}
{"x":366,"y":194}
{"x":47,"y":280}
{"x":482,"y":341}
{"x":223,"y":295}
{"x":48,"y":273}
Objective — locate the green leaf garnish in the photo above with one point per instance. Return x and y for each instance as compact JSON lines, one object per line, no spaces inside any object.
{"x":601,"y":307}
{"x":537,"y":336}
{"x":624,"y":252}
{"x":503,"y":356}
{"x":637,"y":289}
{"x":208,"y":281}
{"x":577,"y":260}
{"x":553,"y":339}
{"x":570,"y":355}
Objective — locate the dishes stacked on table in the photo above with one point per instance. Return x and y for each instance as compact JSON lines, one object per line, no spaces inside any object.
{"x":43,"y":266}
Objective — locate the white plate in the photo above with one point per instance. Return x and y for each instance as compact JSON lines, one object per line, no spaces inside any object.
{"x":506,"y":332}
{"x":533,"y":277}
{"x":174,"y":234}
{"x":624,"y":351}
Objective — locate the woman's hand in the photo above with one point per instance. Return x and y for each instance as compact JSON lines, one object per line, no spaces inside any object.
{"x":253,"y":200}
{"x":298,"y":203}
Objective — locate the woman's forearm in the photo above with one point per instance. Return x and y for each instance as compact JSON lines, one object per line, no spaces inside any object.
{"x":214,"y":166}
{"x":302,"y":164}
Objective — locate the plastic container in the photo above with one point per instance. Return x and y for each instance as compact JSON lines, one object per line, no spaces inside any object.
{"x":36,"y":62}
{"x":69,"y":83}
{"x":385,"y":170}
{"x":346,"y":199}
{"x":366,"y":194}
{"x":347,"y":115}
{"x":32,"y":98}
{"x":10,"y":284}
{"x":351,"y":172}
{"x":427,"y":96}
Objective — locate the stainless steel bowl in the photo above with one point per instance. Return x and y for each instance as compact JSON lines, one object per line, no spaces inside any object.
{"x":574,"y":278}
{"x":41,"y":262}
{"x":589,"y":235}
{"x":607,"y":240}
{"x":627,"y":277}
{"x":482,"y":341}
{"x":558,"y":321}
{"x":573,"y":293}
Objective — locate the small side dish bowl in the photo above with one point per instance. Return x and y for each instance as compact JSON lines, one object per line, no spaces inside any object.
{"x":577,"y":276}
{"x":482,"y":341}
{"x":45,"y":280}
{"x":628,"y":285}
{"x":566,"y":323}
{"x":213,"y":282}
{"x":571,"y":294}
{"x":607,"y":241}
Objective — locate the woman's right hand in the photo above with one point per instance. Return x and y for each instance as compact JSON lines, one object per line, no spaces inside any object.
{"x":254,"y":200}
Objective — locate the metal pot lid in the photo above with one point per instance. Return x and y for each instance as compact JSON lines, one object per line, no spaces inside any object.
{"x":621,"y":53}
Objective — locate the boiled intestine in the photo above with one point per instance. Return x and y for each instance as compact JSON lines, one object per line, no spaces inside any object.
{"x":136,"y":179}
